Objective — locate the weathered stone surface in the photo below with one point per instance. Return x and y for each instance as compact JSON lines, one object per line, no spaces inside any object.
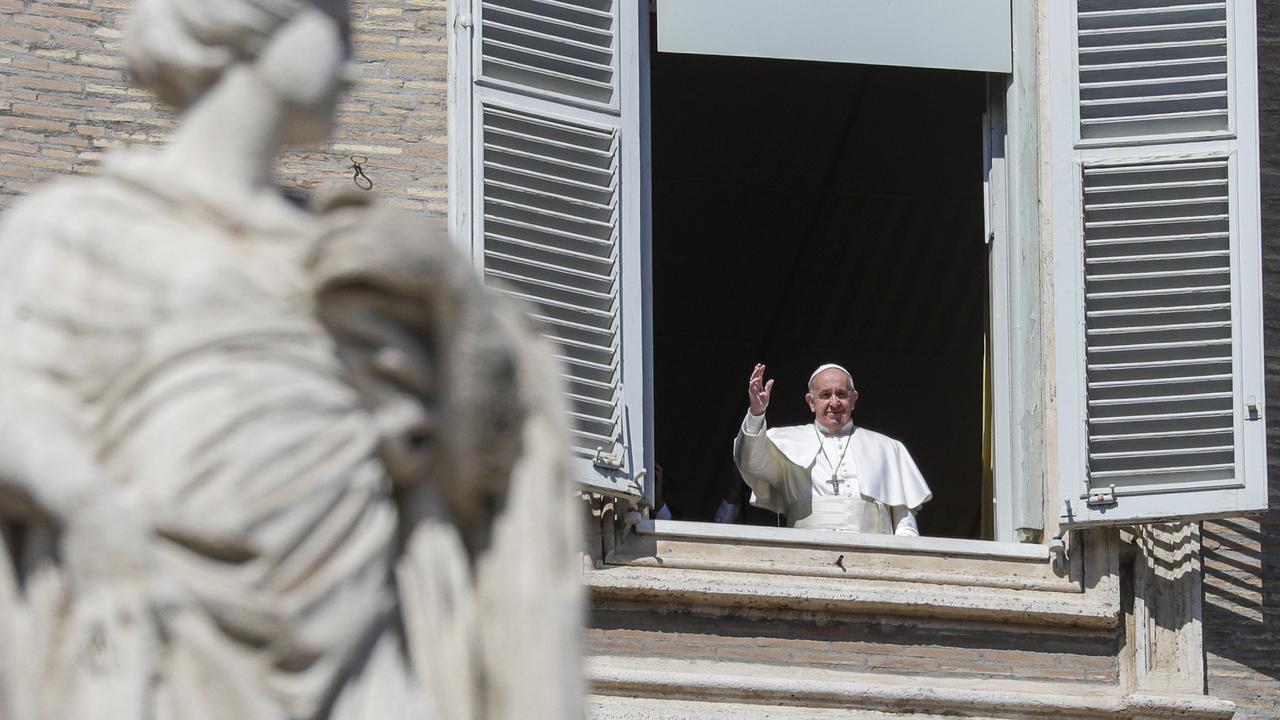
{"x":263,"y":461}
{"x":62,"y":114}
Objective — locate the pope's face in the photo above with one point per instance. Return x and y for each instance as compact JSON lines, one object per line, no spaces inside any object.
{"x":831,"y":398}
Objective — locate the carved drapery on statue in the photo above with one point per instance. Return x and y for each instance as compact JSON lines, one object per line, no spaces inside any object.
{"x":261,"y":462}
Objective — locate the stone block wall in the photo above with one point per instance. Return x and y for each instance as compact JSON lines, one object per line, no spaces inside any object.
{"x":65,"y":99}
{"x":823,"y":644}
{"x":1242,"y":557}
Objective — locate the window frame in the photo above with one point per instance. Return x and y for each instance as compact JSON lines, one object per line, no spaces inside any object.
{"x":1013,"y":231}
{"x":1010,"y":218}
{"x":1027,"y":409}
{"x":1019,"y":395}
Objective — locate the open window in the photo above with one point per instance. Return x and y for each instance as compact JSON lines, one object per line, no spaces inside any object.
{"x":818,"y":196}
{"x":811,"y":212}
{"x":1153,"y":138}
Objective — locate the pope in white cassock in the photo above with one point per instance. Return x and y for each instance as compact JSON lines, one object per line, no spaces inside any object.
{"x":831,"y":474}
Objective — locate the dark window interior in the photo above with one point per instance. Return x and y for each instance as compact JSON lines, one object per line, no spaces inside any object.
{"x":813,"y":212}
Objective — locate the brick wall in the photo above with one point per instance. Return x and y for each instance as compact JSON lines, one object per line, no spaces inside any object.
{"x":65,"y":98}
{"x":1242,"y":557}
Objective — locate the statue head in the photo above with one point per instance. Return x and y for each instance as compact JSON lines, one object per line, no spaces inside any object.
{"x":179,"y":49}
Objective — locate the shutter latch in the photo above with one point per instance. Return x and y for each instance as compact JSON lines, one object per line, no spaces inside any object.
{"x":607,"y":461}
{"x":1105,"y":496}
{"x":1251,"y":409}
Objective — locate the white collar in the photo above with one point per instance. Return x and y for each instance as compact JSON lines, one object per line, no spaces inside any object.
{"x":823,"y":432}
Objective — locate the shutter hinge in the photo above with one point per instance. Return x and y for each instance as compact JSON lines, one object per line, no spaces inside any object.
{"x":464,"y":20}
{"x":607,"y":461}
{"x":1106,"y":496}
{"x":1252,"y":412}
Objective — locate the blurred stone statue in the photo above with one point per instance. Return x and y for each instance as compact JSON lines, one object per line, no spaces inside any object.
{"x":259,"y":461}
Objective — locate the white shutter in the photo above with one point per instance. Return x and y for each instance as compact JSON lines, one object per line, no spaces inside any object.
{"x":564,"y":49}
{"x":554,"y":213}
{"x":1150,"y":69}
{"x":1157,"y":249}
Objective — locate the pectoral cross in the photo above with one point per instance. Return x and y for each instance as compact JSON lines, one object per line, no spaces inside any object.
{"x":836,"y":482}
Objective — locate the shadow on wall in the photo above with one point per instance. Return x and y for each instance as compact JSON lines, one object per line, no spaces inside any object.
{"x":1242,"y":594}
{"x":1242,"y":556}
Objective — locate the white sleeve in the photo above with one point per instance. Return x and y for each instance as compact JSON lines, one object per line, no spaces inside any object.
{"x":904,"y":521}
{"x":751,"y":450}
{"x":759,"y":468}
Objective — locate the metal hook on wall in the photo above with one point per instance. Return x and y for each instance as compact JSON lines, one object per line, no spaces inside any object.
{"x":361,"y":180}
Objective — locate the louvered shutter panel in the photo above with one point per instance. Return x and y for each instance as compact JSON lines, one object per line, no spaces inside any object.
{"x":555,"y":206}
{"x":565,"y":49}
{"x":1152,"y":68}
{"x":1157,"y":250}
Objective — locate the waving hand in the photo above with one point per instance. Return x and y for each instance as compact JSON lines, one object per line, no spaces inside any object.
{"x":758,"y":391}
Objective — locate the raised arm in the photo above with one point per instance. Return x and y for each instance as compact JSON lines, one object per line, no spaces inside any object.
{"x":758,"y":391}
{"x":758,"y":465}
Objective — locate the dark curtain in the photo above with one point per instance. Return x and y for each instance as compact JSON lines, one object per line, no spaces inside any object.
{"x":808,"y":213}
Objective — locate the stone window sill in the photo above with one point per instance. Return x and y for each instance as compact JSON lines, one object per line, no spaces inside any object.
{"x":830,"y":571}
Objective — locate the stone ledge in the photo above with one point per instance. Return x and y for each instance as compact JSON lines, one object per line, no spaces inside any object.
{"x":1091,"y":610}
{"x":668,"y":694}
{"x":951,"y":547}
{"x":846,"y":556}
